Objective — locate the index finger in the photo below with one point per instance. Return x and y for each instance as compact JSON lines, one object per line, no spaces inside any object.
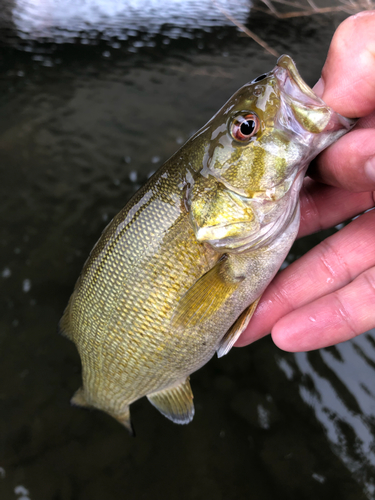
{"x":348,"y":86}
{"x":348,"y":83}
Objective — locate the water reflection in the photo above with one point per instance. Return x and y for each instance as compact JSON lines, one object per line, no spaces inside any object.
{"x":53,"y":18}
{"x":339,"y":387}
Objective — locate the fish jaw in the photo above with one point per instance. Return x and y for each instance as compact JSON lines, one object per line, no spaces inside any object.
{"x":303,"y":113}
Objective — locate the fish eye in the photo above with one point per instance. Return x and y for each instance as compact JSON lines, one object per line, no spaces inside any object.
{"x":259,"y":78}
{"x":244,"y":127}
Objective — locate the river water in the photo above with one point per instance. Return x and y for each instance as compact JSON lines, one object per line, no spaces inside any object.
{"x":94,"y":97}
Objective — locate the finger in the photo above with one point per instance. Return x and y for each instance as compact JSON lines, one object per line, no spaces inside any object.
{"x":367,"y":121}
{"x":348,"y":83}
{"x":329,"y":320}
{"x":325,"y":206}
{"x":326,"y":268}
{"x":349,"y":163}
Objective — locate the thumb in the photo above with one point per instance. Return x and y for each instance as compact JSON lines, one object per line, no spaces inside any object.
{"x":348,"y":76}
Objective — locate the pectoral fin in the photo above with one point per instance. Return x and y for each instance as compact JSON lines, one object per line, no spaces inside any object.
{"x":235,"y":330}
{"x":175,"y":403}
{"x":205,"y":297}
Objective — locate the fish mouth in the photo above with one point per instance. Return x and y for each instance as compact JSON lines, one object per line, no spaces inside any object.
{"x":309,"y":111}
{"x":292,"y":83}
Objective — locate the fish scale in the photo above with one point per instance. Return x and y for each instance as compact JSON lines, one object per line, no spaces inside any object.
{"x":177,"y":274}
{"x":135,"y":296}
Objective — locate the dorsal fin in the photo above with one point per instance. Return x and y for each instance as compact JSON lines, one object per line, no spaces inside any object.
{"x":65,"y":323}
{"x":175,"y":403}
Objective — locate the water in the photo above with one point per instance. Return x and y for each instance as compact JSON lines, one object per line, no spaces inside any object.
{"x":93,"y":100}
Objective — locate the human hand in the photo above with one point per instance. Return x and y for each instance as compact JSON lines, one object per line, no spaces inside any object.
{"x":328,"y":295}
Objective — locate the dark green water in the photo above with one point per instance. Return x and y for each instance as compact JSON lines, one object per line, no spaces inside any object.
{"x":90,"y":106}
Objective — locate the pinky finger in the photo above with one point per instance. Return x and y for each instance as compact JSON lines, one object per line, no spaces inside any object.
{"x":331,"y":319}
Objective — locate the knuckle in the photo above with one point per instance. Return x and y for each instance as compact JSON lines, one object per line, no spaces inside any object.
{"x":353,"y":316}
{"x":311,"y":211}
{"x":281,"y":297}
{"x":346,"y":317}
{"x":370,"y":280}
{"x":332,"y":262}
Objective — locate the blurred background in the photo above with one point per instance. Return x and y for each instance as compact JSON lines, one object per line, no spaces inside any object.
{"x":94,"y":96}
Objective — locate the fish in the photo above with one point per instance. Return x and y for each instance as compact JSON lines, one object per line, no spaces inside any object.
{"x":177,"y":274}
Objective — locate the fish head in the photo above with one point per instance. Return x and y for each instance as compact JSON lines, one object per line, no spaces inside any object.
{"x":268,"y":130}
{"x":257,"y":144}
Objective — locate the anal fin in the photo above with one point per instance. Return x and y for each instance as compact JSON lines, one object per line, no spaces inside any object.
{"x":175,"y":403}
{"x":236,"y":329}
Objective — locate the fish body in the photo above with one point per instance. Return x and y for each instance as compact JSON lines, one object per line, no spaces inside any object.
{"x":177,"y":274}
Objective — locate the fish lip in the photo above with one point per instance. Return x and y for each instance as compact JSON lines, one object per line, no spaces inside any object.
{"x":291,"y":81}
{"x":292,"y":84}
{"x":294,"y":89}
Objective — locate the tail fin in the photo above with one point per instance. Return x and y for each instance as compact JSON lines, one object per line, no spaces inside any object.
{"x":124,"y":419}
{"x":79,"y":399}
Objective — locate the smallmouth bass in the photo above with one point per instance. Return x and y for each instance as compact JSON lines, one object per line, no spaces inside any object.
{"x":178,"y":273}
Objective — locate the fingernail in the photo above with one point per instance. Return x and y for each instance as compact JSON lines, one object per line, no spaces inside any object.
{"x":319,"y":87}
{"x":369,"y":168}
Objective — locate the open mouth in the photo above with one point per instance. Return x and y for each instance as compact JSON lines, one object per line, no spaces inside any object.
{"x":312,"y":114}
{"x":292,"y":82}
{"x":310,"y":111}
